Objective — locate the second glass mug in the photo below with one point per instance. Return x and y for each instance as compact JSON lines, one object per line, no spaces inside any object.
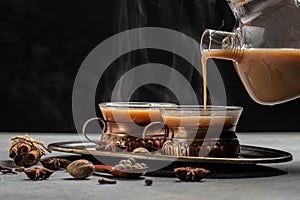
{"x":195,"y":131}
{"x":264,"y":47}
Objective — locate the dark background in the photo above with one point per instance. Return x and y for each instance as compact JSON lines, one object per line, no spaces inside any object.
{"x":43,"y":44}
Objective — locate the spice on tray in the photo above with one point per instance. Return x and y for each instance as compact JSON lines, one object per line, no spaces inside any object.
{"x":80,"y":169}
{"x":141,"y":150}
{"x":129,"y":164}
{"x":106,"y":181}
{"x":190,"y":174}
{"x":38,"y":173}
{"x":26,"y":151}
{"x":55,"y":163}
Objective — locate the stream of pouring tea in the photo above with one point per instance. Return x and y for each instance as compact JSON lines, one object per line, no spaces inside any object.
{"x":204,"y":76}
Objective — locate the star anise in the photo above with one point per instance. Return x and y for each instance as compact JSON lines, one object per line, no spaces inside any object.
{"x":38,"y":173}
{"x":190,"y":174}
{"x":7,"y":170}
{"x":55,"y":163}
{"x":107,"y":146}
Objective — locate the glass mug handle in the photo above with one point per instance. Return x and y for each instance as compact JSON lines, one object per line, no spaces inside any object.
{"x":166,"y":128}
{"x":87,"y":122}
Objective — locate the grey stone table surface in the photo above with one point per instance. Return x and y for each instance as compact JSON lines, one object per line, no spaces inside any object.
{"x":61,"y":186}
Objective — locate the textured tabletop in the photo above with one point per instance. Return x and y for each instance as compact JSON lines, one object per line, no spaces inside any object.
{"x":271,"y":181}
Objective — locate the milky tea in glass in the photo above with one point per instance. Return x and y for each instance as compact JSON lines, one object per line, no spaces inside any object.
{"x":265,"y":48}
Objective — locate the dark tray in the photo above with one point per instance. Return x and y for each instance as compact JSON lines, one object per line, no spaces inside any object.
{"x":248,"y":155}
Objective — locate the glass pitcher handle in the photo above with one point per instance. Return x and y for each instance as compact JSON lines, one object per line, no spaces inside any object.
{"x":87,"y":122}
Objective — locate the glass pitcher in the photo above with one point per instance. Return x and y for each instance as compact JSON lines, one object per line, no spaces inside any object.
{"x":264,"y":47}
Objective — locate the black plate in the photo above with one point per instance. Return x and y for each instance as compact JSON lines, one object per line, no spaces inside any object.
{"x":248,"y":155}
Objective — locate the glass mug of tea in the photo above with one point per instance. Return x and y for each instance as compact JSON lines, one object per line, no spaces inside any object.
{"x":195,"y":131}
{"x":123,"y":125}
{"x":264,"y":47}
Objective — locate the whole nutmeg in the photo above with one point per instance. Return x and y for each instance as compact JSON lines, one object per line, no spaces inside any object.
{"x":80,"y":169}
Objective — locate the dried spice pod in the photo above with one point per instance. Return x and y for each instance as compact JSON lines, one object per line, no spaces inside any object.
{"x":38,"y":173}
{"x":32,"y":157}
{"x":190,"y":174}
{"x":102,"y":181}
{"x":20,"y":169}
{"x":148,"y":181}
{"x":23,"y":148}
{"x":55,"y":163}
{"x":26,"y":151}
{"x":13,"y":151}
{"x":80,"y":169}
{"x":4,"y":168}
{"x":129,"y":164}
{"x":19,"y":160}
{"x":141,"y":150}
{"x":7,"y":170}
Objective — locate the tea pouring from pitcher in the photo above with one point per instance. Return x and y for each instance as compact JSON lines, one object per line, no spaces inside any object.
{"x":264,"y":48}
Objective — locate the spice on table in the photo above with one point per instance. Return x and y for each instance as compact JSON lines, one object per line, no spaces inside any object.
{"x":148,"y":181}
{"x":106,"y":181}
{"x":190,"y":174}
{"x":55,"y":163}
{"x":20,"y":169}
{"x":80,"y":169}
{"x":26,"y":151}
{"x":38,"y":173}
{"x":7,"y":170}
{"x":4,"y":168}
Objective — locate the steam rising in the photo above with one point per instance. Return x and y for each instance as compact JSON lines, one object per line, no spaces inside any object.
{"x":188,"y":17}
